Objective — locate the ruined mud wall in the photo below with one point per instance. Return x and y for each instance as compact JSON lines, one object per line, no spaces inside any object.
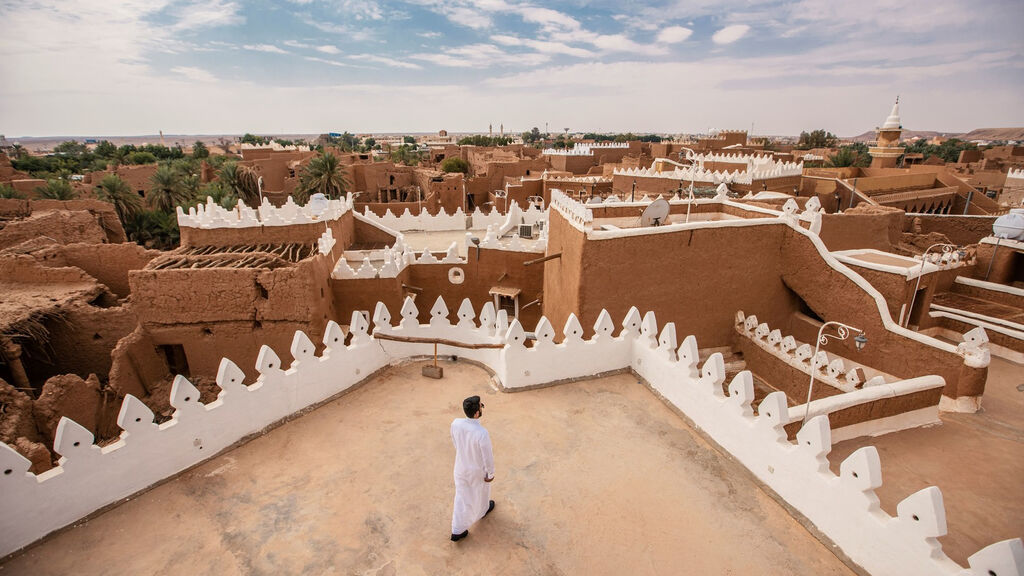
{"x":216,"y":312}
{"x":107,"y":263}
{"x":862,"y":227}
{"x":962,"y":230}
{"x":80,"y":342}
{"x":61,"y":226}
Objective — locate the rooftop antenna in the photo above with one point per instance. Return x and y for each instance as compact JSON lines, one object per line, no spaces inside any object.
{"x":655,"y":214}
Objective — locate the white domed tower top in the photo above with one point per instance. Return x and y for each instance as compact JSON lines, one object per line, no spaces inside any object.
{"x":893,"y":121}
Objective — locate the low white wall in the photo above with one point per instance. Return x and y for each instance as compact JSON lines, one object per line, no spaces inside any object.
{"x":422,"y":221}
{"x":212,"y":215}
{"x":844,"y":507}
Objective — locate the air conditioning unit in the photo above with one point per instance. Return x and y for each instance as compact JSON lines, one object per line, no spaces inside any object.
{"x":525,"y":231}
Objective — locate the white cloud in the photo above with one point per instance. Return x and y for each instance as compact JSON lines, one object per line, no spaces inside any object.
{"x":430,"y":34}
{"x":480,"y":55}
{"x":195,"y":74}
{"x":208,"y":14}
{"x":268,"y":48}
{"x":385,"y":61}
{"x":730,"y":34}
{"x":543,"y":46}
{"x":297,"y":44}
{"x":326,"y":61}
{"x":328,"y":49}
{"x":674,"y":34}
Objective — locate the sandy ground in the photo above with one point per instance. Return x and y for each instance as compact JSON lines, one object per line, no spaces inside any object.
{"x":976,"y":460}
{"x":594,"y":477}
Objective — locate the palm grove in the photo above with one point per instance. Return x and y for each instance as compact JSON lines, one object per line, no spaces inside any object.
{"x":152,"y":221}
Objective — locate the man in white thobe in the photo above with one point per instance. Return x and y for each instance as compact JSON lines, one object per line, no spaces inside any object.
{"x":474,"y":469}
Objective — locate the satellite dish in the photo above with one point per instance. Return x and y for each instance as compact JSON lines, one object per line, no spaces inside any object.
{"x":594,"y":200}
{"x":656,"y":213}
{"x":317,"y":204}
{"x":1009,"y":226}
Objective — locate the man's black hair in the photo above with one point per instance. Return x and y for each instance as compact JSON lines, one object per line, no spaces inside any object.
{"x":471,"y":406}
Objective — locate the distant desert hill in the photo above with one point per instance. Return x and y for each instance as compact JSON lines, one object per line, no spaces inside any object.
{"x":995,"y":134}
{"x":978,"y":134}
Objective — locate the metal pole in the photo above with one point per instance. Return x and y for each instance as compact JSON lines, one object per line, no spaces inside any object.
{"x":842,"y":333}
{"x":993,"y":259}
{"x":967,"y":206}
{"x":924,"y":258}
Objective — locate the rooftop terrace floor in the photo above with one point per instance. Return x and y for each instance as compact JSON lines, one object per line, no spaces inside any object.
{"x":976,"y":460}
{"x":593,"y":477}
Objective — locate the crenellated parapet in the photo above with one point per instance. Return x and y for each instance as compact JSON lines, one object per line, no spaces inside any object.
{"x":212,"y":215}
{"x":758,"y":168}
{"x":844,"y":506}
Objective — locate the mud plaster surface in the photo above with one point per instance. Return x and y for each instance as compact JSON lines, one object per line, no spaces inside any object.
{"x":594,"y":477}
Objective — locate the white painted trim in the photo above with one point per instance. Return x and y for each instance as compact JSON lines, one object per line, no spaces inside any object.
{"x":859,"y":396}
{"x":1004,"y":243}
{"x":996,"y":350}
{"x":989,"y":285}
{"x":911,"y":271}
{"x":977,"y":320}
{"x":961,"y":404}
{"x":879,"y":426}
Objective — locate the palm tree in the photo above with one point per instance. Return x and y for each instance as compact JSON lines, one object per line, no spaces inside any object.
{"x":57,"y":190}
{"x":323,"y":174}
{"x":166,"y":190}
{"x":114,"y":190}
{"x":243,"y":181}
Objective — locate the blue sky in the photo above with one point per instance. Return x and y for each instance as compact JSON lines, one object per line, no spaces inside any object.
{"x":119,"y":67}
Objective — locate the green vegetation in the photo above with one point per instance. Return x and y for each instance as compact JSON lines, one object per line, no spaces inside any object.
{"x":57,"y":189}
{"x":242,"y":182}
{"x":409,"y":140}
{"x":73,"y":158}
{"x":154,"y":229}
{"x":323,"y":174}
{"x":481,"y":140}
{"x":254,"y":139}
{"x":7,"y":191}
{"x":455,"y":164}
{"x":851,"y":155}
{"x":948,"y":151}
{"x":166,"y":190}
{"x":816,"y":139}
{"x":200,"y":151}
{"x":533,"y":136}
{"x":126,"y":203}
{"x":627,"y":137}
{"x":406,"y":154}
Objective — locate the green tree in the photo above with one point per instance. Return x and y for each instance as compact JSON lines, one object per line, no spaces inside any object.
{"x":816,"y":139}
{"x":852,"y":155}
{"x":114,"y":190}
{"x":220,"y":194}
{"x":8,"y":191}
{"x":154,"y":229}
{"x":253,"y":139}
{"x":369,"y":143}
{"x":166,"y":190}
{"x":242,"y":181}
{"x":200,"y":151}
{"x":70,"y":148}
{"x":323,"y":174}
{"x":105,"y":149}
{"x":406,"y":154}
{"x":57,"y":190}
{"x":481,"y":140}
{"x":140,"y":157}
{"x":409,"y":140}
{"x":533,"y":136}
{"x":455,"y":164}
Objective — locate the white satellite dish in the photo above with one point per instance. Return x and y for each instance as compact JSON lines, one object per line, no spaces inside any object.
{"x":1010,"y":226}
{"x":656,"y":214}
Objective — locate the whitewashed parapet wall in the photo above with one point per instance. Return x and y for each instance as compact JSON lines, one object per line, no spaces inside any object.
{"x":844,"y":507}
{"x":212,"y":215}
{"x":443,"y":221}
{"x":581,"y":149}
{"x":579,"y":215}
{"x":1015,"y":174}
{"x":758,"y":168}
{"x":395,"y":259}
{"x":859,"y":384}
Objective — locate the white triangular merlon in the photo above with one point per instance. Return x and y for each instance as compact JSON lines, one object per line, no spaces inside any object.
{"x":439,"y":313}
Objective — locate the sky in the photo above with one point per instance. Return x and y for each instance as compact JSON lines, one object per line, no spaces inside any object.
{"x":127,"y":67}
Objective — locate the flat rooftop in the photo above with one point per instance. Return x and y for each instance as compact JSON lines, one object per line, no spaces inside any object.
{"x":597,"y":476}
{"x":976,"y":460}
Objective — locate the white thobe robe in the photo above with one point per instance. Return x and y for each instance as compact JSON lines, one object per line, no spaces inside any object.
{"x":473,"y":461}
